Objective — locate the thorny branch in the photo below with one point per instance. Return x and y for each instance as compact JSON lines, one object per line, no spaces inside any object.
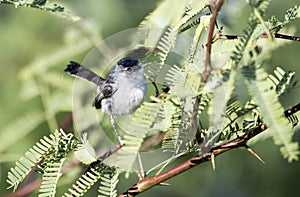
{"x":239,"y":142}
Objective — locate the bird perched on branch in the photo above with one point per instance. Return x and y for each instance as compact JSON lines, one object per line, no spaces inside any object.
{"x":121,"y":93}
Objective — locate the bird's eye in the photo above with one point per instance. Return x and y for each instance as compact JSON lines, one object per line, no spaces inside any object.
{"x":127,"y":68}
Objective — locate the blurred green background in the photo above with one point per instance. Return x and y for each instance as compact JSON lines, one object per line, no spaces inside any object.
{"x":27,"y":34}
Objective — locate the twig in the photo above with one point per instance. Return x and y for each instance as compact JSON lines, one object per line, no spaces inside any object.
{"x":215,"y":9}
{"x":67,"y":123}
{"x":263,"y":35}
{"x":292,"y":110}
{"x":194,"y":121}
{"x":104,"y":156}
{"x":283,"y":36}
{"x":155,"y":87}
{"x":26,"y":189}
{"x":164,"y":91}
{"x":238,"y":142}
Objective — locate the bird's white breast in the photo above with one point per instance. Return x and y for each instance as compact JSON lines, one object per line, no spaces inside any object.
{"x":129,"y":95}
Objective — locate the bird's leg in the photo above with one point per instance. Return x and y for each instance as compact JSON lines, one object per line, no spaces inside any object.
{"x":112,"y":121}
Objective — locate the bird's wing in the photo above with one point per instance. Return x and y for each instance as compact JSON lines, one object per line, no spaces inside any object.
{"x":80,"y":71}
{"x":106,"y":91}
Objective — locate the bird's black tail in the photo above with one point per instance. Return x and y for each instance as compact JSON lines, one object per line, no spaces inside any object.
{"x":72,"y":68}
{"x":80,"y":71}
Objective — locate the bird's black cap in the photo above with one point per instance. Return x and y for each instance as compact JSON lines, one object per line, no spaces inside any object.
{"x":128,"y":61}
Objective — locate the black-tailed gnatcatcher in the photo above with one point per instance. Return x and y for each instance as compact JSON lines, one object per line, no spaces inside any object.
{"x":121,"y":93}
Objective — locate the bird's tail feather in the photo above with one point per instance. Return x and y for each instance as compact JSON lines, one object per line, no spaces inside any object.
{"x":80,"y":71}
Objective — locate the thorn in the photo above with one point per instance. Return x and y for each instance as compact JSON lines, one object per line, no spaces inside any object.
{"x":141,"y":174}
{"x":213,"y":164}
{"x":164,"y":184}
{"x":255,"y":155}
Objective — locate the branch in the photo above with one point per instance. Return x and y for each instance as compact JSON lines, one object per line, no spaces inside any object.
{"x":67,"y":123}
{"x":26,"y":189}
{"x":281,"y":36}
{"x":164,"y":91}
{"x":103,"y":157}
{"x":264,"y":35}
{"x":147,"y":183}
{"x":215,"y":9}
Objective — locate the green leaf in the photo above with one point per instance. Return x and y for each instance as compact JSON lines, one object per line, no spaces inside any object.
{"x":108,"y":184}
{"x":84,"y":151}
{"x":89,"y":178}
{"x":44,"y":5}
{"x":273,"y":113}
{"x":194,"y":15}
{"x":32,"y":157}
{"x":50,"y":178}
{"x":249,"y":33}
{"x":282,"y":82}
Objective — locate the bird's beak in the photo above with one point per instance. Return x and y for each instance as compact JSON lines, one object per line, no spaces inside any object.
{"x":145,"y":64}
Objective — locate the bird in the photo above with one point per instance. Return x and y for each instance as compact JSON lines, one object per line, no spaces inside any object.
{"x":121,"y":93}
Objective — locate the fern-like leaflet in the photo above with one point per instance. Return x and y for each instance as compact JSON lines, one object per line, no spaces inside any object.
{"x":108,"y":184}
{"x":171,"y":119}
{"x":53,"y":162}
{"x":282,"y":82}
{"x":141,"y":126}
{"x":84,"y":151}
{"x":88,"y":179}
{"x":52,"y":173}
{"x":192,"y":16}
{"x":43,"y":5}
{"x":35,"y":154}
{"x":272,"y":112}
{"x":238,"y":54}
